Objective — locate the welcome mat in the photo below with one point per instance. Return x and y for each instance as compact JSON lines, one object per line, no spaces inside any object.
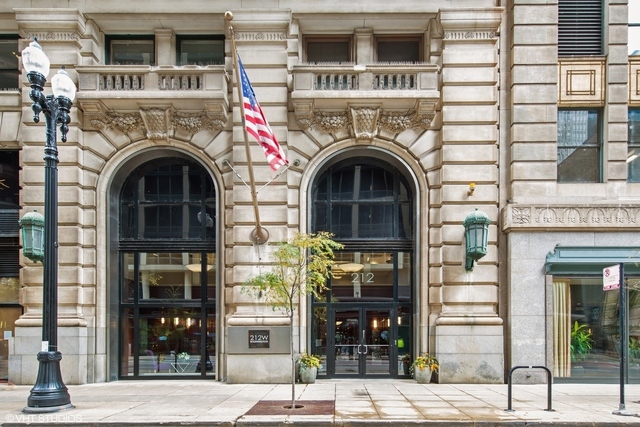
{"x":283,"y":407}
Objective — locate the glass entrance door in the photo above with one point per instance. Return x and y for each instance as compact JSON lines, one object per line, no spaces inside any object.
{"x":363,"y":340}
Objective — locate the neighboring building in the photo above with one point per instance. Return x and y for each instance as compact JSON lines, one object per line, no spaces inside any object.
{"x":398,"y":122}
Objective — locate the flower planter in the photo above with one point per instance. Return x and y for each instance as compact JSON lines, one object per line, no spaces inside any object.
{"x":422,"y":376}
{"x":308,"y":374}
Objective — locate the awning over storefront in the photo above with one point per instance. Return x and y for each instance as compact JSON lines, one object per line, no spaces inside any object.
{"x":581,"y":260}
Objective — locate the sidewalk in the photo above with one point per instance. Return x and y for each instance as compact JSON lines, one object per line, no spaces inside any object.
{"x":389,"y":403}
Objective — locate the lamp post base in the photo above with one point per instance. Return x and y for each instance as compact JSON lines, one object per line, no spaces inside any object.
{"x":49,"y":394}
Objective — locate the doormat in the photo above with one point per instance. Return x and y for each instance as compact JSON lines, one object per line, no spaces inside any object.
{"x":283,"y":407}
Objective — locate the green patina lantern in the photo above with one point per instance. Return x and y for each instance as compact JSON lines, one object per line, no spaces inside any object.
{"x":476,"y":232}
{"x":32,"y":224}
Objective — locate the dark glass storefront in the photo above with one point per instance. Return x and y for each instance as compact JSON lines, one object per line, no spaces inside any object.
{"x":362,"y":325}
{"x":168,"y":275}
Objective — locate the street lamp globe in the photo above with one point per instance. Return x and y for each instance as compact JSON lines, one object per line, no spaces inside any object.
{"x":35,"y":60}
{"x":62,"y":85}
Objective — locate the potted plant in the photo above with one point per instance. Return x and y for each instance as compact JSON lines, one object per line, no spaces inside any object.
{"x":581,"y":342}
{"x":423,"y":367}
{"x":309,"y":365}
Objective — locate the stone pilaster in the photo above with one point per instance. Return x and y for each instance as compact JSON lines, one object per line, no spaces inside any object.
{"x":258,"y":43}
{"x":468,"y":332}
{"x":59,"y":32}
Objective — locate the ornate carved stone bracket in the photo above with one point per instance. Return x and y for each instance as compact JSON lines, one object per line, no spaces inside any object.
{"x":365,"y":122}
{"x":158,"y":122}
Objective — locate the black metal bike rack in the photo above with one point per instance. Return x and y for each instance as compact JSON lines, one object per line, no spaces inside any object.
{"x":510,"y":409}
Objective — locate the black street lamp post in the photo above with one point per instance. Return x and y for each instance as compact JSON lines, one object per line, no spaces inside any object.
{"x":49,"y":394}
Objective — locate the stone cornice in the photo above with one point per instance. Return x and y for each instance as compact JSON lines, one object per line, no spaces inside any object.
{"x":570,"y":217}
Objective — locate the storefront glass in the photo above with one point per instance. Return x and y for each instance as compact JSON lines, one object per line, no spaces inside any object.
{"x":586,"y":330}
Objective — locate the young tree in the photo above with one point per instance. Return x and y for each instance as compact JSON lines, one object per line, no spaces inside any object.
{"x":300,"y":267}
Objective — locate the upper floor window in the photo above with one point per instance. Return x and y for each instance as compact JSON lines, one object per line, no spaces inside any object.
{"x":579,"y":145}
{"x":198,"y":50}
{"x":131,"y":50}
{"x":579,"y":27}
{"x":9,"y":227}
{"x":355,"y":199}
{"x":168,"y":199}
{"x":9,"y":72}
{"x":327,"y":49}
{"x":634,"y":28}
{"x":633,"y":156}
{"x":399,"y":49}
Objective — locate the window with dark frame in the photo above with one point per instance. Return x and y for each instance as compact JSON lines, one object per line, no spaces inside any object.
{"x":199,"y":50}
{"x":580,"y":27}
{"x":9,"y":227}
{"x":327,"y":50}
{"x":399,"y":49}
{"x":579,"y":145}
{"x":167,"y":286}
{"x":131,"y":50}
{"x":9,"y":71}
{"x":633,"y":156}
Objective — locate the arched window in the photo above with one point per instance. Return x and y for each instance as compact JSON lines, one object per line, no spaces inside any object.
{"x":362,"y":324}
{"x":364,"y":202}
{"x":167,"y":241}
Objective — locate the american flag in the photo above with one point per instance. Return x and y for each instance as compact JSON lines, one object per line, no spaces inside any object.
{"x":256,"y":124}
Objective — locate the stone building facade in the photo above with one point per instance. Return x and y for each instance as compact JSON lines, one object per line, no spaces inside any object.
{"x":398,"y":121}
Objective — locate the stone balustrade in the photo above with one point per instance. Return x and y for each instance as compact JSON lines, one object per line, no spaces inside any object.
{"x":388,"y":86}
{"x":129,"y":87}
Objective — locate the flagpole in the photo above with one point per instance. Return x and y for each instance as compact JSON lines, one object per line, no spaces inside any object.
{"x":259,"y":235}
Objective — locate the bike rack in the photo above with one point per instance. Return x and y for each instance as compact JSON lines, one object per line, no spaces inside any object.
{"x":509,"y":409}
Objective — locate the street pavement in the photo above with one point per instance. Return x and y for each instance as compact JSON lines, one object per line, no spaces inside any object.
{"x":353,"y":403}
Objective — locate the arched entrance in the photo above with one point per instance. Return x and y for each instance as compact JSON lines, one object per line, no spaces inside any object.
{"x":166,"y":270}
{"x":362,"y":326}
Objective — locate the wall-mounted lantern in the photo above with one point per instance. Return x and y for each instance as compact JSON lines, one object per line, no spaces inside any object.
{"x":476,"y":233}
{"x":32,"y":224}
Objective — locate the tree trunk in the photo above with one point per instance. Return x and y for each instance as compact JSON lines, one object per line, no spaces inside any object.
{"x":293,"y":365}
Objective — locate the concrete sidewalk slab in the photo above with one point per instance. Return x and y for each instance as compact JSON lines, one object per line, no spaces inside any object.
{"x":388,"y":403}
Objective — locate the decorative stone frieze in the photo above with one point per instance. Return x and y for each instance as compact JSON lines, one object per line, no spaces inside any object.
{"x":634,"y":81}
{"x":195,"y":122}
{"x":52,"y":36}
{"x":365,"y":121}
{"x":260,"y":36}
{"x":572,"y":217}
{"x":581,"y":82}
{"x":121,"y":122}
{"x":470,"y":35}
{"x":157,"y":122}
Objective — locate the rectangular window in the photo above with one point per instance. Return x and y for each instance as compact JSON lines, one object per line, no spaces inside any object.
{"x":9,"y":72}
{"x":634,"y":28}
{"x":633,"y":156}
{"x":579,"y":146}
{"x":131,"y":50}
{"x":327,"y":49}
{"x":198,"y":50}
{"x":399,"y":49}
{"x":579,"y":27}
